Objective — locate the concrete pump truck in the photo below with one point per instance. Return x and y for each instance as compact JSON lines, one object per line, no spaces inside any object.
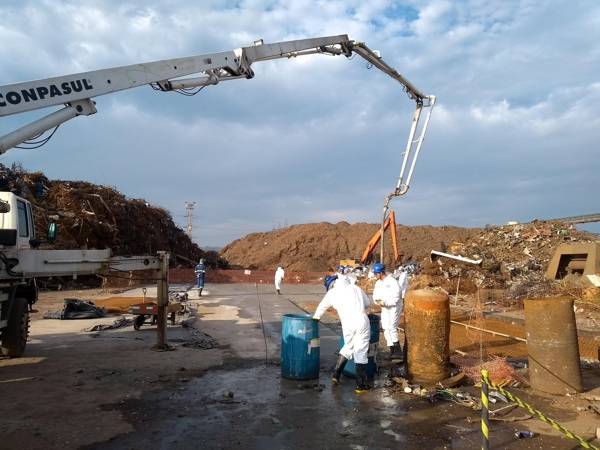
{"x":21,"y":263}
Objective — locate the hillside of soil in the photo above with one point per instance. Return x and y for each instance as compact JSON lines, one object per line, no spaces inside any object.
{"x":319,"y":246}
{"x":508,"y":252}
{"x":99,"y":217}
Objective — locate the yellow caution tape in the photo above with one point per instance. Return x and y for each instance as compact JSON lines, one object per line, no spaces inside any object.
{"x":536,"y":413}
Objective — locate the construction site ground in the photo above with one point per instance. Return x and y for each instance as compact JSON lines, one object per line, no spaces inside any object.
{"x":109,"y":390}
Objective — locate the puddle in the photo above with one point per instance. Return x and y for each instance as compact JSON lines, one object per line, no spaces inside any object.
{"x":274,"y":413}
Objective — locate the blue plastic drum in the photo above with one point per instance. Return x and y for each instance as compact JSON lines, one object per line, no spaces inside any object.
{"x":300,"y":347}
{"x":350,"y":369}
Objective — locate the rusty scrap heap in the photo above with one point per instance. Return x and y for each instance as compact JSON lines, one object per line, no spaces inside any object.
{"x":514,"y":257}
{"x":94,"y":216}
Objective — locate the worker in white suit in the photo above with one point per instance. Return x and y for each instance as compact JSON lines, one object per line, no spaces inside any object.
{"x":351,"y":304}
{"x":402,"y":276}
{"x":279,"y":276}
{"x":388,"y":294}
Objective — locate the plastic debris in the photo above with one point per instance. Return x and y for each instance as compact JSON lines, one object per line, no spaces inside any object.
{"x":524,"y":434}
{"x":118,"y":323}
{"x":498,"y":395}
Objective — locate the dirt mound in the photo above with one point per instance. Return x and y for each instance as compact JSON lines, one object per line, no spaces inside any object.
{"x":514,"y":257}
{"x":319,"y":246}
{"x":94,"y":216}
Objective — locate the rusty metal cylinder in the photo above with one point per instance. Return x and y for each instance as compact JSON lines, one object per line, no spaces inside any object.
{"x":552,"y":345}
{"x":427,"y":330}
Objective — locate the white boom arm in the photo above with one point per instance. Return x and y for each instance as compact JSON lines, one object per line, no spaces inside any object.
{"x":76,"y":91}
{"x":49,"y":263}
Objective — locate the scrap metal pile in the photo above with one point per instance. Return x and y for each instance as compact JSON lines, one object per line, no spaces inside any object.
{"x":94,"y":216}
{"x":514,"y":257}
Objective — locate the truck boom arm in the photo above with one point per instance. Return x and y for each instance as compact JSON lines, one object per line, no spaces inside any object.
{"x":76,"y":91}
{"x":391,"y":224}
{"x":50,"y":263}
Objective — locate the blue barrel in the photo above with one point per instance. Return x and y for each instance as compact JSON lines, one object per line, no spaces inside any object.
{"x":300,"y":347}
{"x":350,"y":369}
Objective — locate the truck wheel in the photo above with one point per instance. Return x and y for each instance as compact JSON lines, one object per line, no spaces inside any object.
{"x":14,"y":337}
{"x":138,"y":322}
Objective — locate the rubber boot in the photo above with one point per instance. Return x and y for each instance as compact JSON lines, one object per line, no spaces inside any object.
{"x":339,"y":368}
{"x":396,"y":351}
{"x":200,"y":292}
{"x":390,"y":354}
{"x":278,"y":292}
{"x":362,"y":383}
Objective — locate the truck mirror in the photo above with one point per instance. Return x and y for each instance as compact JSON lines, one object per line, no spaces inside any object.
{"x":52,"y":229}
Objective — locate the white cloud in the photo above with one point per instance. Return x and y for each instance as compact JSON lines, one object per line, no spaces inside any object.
{"x":319,"y":138}
{"x":433,"y":18}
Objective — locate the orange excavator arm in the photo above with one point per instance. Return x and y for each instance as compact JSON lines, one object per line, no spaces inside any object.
{"x":391,"y":220}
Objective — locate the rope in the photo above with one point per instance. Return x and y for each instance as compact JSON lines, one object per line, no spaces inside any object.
{"x":262,"y":324}
{"x":485,"y":381}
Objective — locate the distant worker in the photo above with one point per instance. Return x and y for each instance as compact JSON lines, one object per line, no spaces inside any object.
{"x":279,"y":276}
{"x":351,"y":304}
{"x":388,"y":295}
{"x":200,"y":271}
{"x":350,"y":275}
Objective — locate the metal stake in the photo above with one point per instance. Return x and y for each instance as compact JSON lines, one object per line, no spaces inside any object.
{"x":162,"y":287}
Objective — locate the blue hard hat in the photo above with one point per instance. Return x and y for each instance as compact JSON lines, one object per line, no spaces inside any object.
{"x":378,"y":268}
{"x":329,"y":281}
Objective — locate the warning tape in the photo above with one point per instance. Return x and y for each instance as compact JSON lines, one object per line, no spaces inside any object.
{"x":485,"y":412}
{"x":485,"y":383}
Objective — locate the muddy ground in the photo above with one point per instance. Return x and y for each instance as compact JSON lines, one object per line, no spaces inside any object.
{"x":109,"y":390}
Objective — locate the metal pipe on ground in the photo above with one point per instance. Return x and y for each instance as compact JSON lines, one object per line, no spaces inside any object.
{"x":495,"y":333}
{"x":552,"y":345}
{"x":427,"y":332}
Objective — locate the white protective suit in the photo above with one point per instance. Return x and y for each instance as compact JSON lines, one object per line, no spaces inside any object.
{"x":403,"y":283}
{"x":388,"y":294}
{"x":351,"y":304}
{"x":279,"y":275}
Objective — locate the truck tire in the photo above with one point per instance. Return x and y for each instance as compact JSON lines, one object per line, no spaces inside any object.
{"x":14,"y":337}
{"x":138,"y":322}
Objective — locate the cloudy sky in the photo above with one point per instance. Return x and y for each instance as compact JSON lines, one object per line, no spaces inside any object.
{"x":514,"y":136}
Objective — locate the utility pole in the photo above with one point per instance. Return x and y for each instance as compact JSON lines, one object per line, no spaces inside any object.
{"x":189,"y":206}
{"x":162,"y":294}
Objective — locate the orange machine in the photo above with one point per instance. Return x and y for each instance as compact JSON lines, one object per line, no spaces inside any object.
{"x":391,"y":220}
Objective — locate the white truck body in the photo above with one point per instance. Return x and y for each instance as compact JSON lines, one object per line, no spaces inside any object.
{"x":21,"y":264}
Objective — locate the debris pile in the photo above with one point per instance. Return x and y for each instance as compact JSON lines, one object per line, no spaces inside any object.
{"x":94,"y":216}
{"x":501,"y":372}
{"x":514,"y":257}
{"x":320,"y":246}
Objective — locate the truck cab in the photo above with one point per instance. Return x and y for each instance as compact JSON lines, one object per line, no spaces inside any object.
{"x":19,"y":217}
{"x":17,"y":292}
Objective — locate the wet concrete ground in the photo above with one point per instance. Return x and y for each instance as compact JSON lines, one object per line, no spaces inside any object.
{"x":246,"y":403}
{"x":112,"y":392}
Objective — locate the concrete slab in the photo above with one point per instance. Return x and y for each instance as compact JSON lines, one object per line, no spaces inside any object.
{"x":110,"y":391}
